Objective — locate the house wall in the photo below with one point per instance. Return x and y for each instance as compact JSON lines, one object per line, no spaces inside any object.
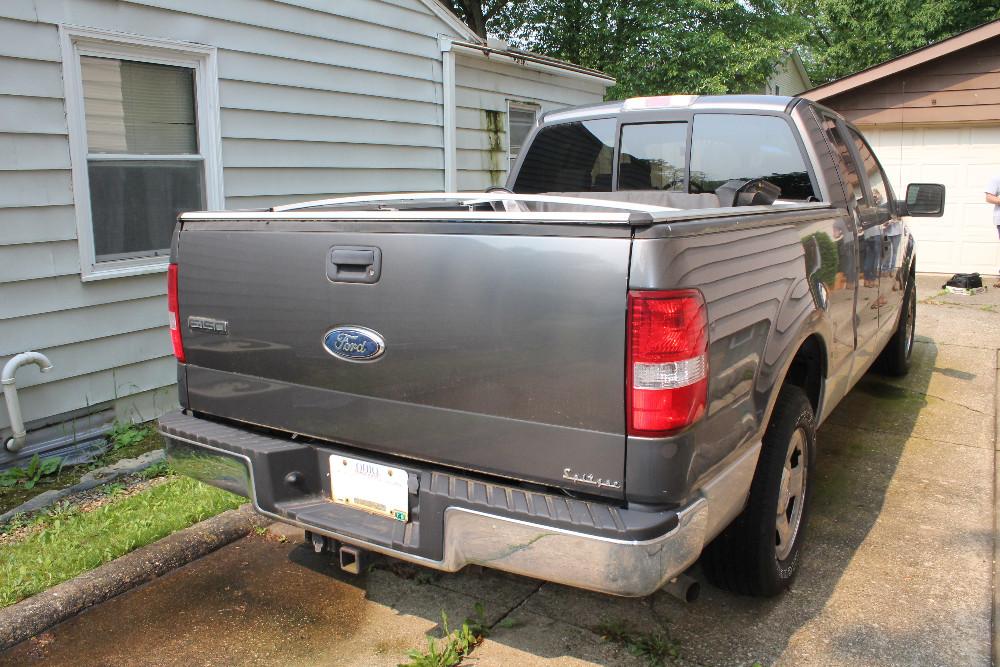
{"x":482,"y":89}
{"x":786,"y":80}
{"x":317,"y":98}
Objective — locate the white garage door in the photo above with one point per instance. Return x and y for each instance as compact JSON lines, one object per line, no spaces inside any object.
{"x":964,"y":158}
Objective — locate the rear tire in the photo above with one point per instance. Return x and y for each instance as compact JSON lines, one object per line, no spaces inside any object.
{"x":759,"y":553}
{"x":895,"y":358}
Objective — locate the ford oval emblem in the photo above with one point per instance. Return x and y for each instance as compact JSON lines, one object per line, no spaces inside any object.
{"x":354,"y":343}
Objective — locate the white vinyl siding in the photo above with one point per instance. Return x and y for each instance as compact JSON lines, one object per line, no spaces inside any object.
{"x":482,"y":92}
{"x":315,"y":99}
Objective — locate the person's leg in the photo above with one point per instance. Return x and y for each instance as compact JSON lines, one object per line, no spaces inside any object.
{"x":997,"y":283}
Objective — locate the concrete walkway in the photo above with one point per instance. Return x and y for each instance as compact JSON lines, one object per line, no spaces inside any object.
{"x":897,"y":571}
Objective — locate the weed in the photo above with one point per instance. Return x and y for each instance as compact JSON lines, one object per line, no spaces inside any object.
{"x":114,"y":489}
{"x":424,"y":578}
{"x":125,"y":434}
{"x":452,"y":646}
{"x":509,"y":623}
{"x":159,"y":469}
{"x":260,"y":531}
{"x":28,"y":476}
{"x":656,"y":648}
{"x":16,"y":523}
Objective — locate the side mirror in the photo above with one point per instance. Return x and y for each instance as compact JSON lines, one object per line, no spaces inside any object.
{"x":924,"y":200}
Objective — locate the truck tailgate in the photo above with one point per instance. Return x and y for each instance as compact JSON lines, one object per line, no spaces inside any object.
{"x":504,"y":353}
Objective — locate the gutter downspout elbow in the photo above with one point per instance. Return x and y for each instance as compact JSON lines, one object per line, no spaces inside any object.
{"x":16,"y":441}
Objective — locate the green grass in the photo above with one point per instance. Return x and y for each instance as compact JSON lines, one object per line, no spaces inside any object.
{"x":73,"y":542}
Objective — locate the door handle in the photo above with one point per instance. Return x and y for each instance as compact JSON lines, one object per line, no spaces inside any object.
{"x":354,"y":264}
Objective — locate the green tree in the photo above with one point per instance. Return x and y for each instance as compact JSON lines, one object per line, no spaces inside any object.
{"x":657,"y":46}
{"x":841,"y":37}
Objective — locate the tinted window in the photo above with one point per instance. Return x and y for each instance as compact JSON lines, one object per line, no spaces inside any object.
{"x":725,"y":147}
{"x":569,"y":157}
{"x":845,"y":161}
{"x":879,"y":189}
{"x":652,"y":156}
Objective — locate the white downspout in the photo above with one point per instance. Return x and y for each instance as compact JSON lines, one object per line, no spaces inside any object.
{"x":16,"y":441}
{"x":448,"y":101}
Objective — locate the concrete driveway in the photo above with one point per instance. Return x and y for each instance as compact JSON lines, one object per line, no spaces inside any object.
{"x":897,"y":571}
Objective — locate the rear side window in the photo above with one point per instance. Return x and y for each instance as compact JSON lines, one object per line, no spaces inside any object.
{"x":652,"y":156}
{"x":569,"y":157}
{"x":845,"y":161}
{"x":725,"y":147}
{"x":880,"y":193}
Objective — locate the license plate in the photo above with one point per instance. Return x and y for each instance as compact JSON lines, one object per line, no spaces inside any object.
{"x":375,"y":488}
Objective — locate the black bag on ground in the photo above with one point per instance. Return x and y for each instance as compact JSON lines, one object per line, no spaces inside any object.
{"x":965,"y":281}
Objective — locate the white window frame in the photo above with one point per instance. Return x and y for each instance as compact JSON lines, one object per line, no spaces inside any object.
{"x":520,"y":106}
{"x":79,"y":41}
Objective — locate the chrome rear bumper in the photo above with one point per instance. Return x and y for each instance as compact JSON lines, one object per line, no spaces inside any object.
{"x":597,"y":563}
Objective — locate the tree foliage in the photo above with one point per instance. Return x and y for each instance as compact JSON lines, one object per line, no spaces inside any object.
{"x":840,"y":37}
{"x":656,"y":46}
{"x":720,"y":46}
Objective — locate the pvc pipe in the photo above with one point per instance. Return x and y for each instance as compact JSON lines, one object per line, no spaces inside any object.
{"x":16,"y":441}
{"x":449,"y":125}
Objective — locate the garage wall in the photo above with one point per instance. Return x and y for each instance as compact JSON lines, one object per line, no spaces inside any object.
{"x":938,"y":121}
{"x":963,"y":158}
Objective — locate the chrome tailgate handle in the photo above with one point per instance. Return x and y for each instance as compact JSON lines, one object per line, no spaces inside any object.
{"x":354,"y":264}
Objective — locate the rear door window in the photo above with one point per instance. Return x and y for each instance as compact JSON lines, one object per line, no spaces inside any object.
{"x":569,"y":157}
{"x":652,"y":156}
{"x":727,"y":147}
{"x":878,"y":186}
{"x":845,"y":161}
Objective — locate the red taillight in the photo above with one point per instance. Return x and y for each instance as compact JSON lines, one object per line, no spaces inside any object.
{"x":667,"y":373}
{"x":174,"y":313}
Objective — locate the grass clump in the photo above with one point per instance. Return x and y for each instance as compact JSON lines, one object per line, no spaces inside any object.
{"x":452,"y":646}
{"x":656,"y":648}
{"x":73,"y":542}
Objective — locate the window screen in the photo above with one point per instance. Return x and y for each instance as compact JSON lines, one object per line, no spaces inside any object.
{"x":652,"y":156}
{"x":520,"y":120}
{"x":569,"y":157}
{"x":727,"y":147}
{"x":142,"y":154}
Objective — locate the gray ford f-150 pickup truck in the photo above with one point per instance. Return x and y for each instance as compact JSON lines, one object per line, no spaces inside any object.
{"x":594,"y":376}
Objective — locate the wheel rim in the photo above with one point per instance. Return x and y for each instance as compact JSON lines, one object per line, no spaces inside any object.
{"x":791,"y":495}
{"x":911,"y":317}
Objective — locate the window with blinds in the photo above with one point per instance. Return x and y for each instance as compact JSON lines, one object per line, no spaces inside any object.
{"x":143,"y":161}
{"x":520,"y":119}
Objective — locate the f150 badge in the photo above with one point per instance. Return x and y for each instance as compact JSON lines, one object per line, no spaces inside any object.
{"x":352,"y":343}
{"x":208,"y":325}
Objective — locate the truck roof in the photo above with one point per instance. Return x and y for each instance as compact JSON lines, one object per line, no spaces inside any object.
{"x":772,"y":103}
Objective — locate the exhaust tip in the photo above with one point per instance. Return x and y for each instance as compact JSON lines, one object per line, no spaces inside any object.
{"x":684,"y":588}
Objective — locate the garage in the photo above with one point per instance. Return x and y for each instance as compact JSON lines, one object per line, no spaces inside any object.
{"x":933,"y":115}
